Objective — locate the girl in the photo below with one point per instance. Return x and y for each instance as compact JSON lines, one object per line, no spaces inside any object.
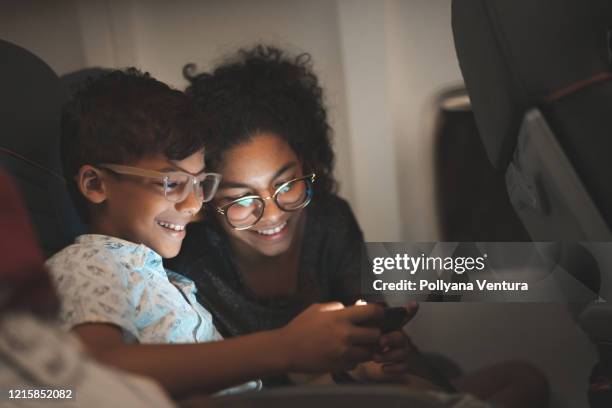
{"x":276,"y":238}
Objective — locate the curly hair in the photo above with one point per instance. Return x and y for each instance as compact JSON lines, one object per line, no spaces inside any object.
{"x":123,"y":116}
{"x":265,"y":90}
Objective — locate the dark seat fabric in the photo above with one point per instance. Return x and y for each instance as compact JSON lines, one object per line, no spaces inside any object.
{"x":516,"y":54}
{"x":472,"y":200}
{"x":30,"y":105}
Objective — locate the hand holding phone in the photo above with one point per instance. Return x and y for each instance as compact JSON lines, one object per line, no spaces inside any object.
{"x":394,"y":317}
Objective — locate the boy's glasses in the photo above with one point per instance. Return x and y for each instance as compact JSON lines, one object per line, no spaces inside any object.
{"x":177,"y":184}
{"x":246,"y":211}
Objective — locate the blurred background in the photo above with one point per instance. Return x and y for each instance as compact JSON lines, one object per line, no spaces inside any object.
{"x":389,"y":72}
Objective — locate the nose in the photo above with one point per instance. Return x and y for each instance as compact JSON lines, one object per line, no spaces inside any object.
{"x":190,"y":205}
{"x":272,"y":213}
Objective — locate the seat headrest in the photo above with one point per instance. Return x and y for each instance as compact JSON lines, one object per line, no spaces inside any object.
{"x":515,"y":53}
{"x":30,"y":107}
{"x":30,"y":112}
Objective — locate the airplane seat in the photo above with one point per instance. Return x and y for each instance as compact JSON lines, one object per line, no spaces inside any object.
{"x":472,"y":201}
{"x":30,"y":105}
{"x":544,"y":67}
{"x":539,"y":76}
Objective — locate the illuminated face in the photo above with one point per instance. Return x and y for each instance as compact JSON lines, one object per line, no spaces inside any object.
{"x":259,"y":167}
{"x":135,"y":208}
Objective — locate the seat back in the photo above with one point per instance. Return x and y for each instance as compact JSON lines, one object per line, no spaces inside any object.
{"x":540,"y":81}
{"x":539,"y":75}
{"x":472,"y":201}
{"x":30,"y":106}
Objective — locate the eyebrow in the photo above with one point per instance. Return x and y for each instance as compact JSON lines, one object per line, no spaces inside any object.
{"x":177,"y":168}
{"x":230,"y":184}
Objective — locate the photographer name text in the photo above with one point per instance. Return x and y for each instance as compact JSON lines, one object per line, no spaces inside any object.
{"x":442,"y":286}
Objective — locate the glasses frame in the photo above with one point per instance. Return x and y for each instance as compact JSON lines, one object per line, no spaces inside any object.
{"x":310,"y":177}
{"x":165,"y":177}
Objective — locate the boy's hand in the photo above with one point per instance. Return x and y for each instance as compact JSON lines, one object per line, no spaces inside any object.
{"x":327,"y":337}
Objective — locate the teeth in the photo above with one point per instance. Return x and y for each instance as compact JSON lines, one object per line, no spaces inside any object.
{"x":272,"y":231}
{"x":176,"y":227}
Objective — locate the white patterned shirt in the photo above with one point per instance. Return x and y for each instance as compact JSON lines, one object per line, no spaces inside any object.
{"x":36,"y":354}
{"x":103,"y":279}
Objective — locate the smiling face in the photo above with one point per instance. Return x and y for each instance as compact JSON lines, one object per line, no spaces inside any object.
{"x":135,"y":209}
{"x":258,"y":167}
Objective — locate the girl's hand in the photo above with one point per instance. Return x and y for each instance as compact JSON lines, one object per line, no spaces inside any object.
{"x":371,"y":371}
{"x":396,"y":350}
{"x":396,"y":347}
{"x":375,"y":372}
{"x":391,"y":362}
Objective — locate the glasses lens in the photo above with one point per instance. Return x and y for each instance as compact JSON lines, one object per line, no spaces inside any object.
{"x":208,"y":187}
{"x":293,"y":195}
{"x":245,"y":212}
{"x":177,"y":187}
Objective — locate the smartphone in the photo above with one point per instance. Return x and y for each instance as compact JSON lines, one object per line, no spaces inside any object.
{"x":394,"y":319}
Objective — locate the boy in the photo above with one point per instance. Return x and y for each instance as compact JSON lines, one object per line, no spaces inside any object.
{"x":132,"y":150}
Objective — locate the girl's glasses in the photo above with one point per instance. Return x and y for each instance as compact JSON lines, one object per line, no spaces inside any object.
{"x":246,"y":211}
{"x":176,"y":184}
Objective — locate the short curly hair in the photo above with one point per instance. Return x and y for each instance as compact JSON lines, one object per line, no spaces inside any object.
{"x":121,"y":117}
{"x":263,"y":89}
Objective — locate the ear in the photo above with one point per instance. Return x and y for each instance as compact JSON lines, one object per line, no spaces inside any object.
{"x":91,"y":184}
